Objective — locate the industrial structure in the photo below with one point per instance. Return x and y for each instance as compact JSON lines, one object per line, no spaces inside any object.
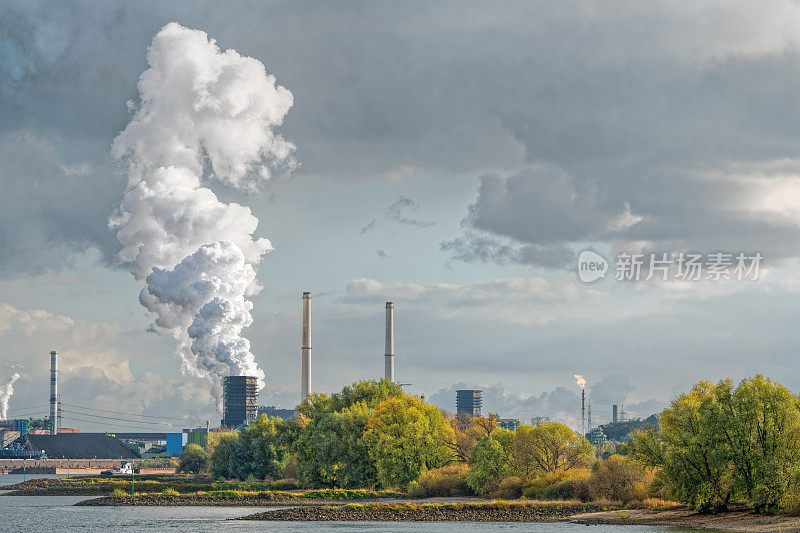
{"x":468,"y":402}
{"x":389,"y":353}
{"x":509,"y":423}
{"x":239,"y":400}
{"x":305,"y":348}
{"x":53,"y":391}
{"x":597,"y":437}
{"x":614,"y":414}
{"x":272,"y":411}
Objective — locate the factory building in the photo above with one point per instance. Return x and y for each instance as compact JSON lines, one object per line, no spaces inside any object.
{"x":597,"y":437}
{"x":468,"y":402}
{"x":240,"y":400}
{"x":272,"y":411}
{"x":509,"y":423}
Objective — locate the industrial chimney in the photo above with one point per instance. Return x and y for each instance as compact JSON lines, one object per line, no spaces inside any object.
{"x":53,"y":391}
{"x":389,"y":354}
{"x":305,"y":348}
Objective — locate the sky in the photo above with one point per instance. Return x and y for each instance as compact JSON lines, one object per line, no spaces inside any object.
{"x":453,"y":157}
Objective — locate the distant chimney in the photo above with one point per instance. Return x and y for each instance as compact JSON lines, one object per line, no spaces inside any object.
{"x":53,"y":391}
{"x":389,"y":353}
{"x":305,"y":348}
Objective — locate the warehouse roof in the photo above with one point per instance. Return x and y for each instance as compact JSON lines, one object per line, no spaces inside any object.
{"x":80,"y":446}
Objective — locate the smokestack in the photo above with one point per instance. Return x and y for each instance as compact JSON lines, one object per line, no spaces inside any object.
{"x":305,"y":349}
{"x":53,"y":391}
{"x":583,"y":412}
{"x":389,"y":354}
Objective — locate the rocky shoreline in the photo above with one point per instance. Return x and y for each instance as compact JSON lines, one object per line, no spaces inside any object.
{"x":195,"y":500}
{"x":738,"y":521}
{"x":414,"y":512}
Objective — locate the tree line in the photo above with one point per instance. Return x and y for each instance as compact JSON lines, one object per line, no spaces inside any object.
{"x":716,"y":445}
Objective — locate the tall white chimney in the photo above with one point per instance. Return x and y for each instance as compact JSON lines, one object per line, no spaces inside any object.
{"x":53,"y":390}
{"x":305,"y":347}
{"x":389,"y":354}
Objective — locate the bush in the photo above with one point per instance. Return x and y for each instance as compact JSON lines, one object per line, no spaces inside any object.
{"x":193,"y":459}
{"x":581,"y":490}
{"x":119,"y":493}
{"x":563,"y":490}
{"x":446,"y":481}
{"x":790,"y":503}
{"x":620,"y":478}
{"x":509,"y":488}
{"x":169,"y":491}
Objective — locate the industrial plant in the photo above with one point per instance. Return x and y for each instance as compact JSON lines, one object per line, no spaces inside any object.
{"x":44,"y":439}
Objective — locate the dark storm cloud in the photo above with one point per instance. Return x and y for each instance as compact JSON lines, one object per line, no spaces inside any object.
{"x":582,"y":114}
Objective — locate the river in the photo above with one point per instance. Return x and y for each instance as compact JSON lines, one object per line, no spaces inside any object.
{"x":53,"y":514}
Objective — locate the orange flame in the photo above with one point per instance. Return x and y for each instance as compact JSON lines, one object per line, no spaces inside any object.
{"x":581,"y":381}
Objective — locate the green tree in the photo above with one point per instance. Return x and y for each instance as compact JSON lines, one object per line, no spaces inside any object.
{"x":694,"y":456}
{"x":549,"y":447}
{"x":222,"y":457}
{"x":406,"y":436}
{"x":760,"y":422}
{"x":193,"y":459}
{"x":334,"y":451}
{"x":258,"y":452}
{"x":491,"y":460}
{"x":329,"y":444}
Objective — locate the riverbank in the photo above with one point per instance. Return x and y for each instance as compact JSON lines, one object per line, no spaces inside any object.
{"x":739,"y":521}
{"x":495,"y":511}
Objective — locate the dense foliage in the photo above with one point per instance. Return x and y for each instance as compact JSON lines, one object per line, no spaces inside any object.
{"x":718,"y":444}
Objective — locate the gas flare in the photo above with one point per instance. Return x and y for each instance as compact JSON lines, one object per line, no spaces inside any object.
{"x":581,"y":381}
{"x":204,"y":115}
{"x":6,"y":392}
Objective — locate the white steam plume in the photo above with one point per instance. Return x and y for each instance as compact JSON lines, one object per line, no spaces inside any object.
{"x":204,"y":115}
{"x":6,"y":392}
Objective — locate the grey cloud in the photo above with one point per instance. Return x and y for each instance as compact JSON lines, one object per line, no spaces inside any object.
{"x":51,"y":207}
{"x":368,"y":227}
{"x":399,"y":209}
{"x":482,"y":247}
{"x":630,"y":103}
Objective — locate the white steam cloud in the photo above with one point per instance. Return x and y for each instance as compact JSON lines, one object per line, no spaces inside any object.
{"x":6,"y":392}
{"x":203,"y":115}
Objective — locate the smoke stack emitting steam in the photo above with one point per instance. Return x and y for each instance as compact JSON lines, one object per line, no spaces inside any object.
{"x":6,"y":392}
{"x":199,"y":108}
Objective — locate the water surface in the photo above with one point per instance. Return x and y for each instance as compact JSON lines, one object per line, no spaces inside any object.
{"x":52,"y":514}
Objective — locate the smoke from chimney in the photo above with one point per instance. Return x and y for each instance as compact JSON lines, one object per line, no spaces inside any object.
{"x":204,"y":115}
{"x":6,"y":392}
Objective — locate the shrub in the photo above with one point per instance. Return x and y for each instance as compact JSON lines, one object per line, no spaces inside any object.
{"x":193,"y":459}
{"x":620,"y":478}
{"x":119,"y":493}
{"x":563,"y":490}
{"x":509,"y":488}
{"x":790,"y":503}
{"x":446,"y":481}
{"x":581,"y":490}
{"x":169,"y":491}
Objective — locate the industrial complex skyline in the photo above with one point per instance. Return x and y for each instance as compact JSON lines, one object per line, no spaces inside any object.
{"x":432,"y":192}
